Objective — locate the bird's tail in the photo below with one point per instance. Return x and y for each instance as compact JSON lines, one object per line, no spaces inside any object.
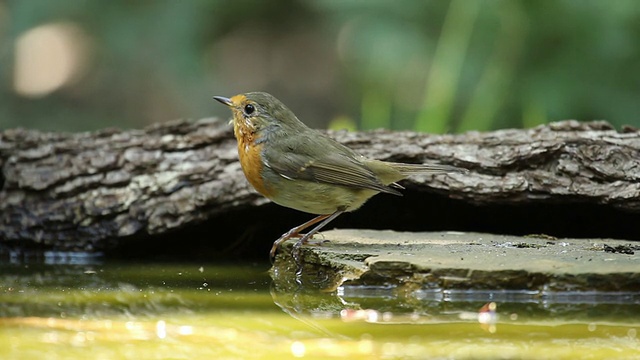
{"x":413,"y":169}
{"x":390,"y":172}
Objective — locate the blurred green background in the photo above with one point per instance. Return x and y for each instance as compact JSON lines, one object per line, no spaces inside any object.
{"x":438,"y":66}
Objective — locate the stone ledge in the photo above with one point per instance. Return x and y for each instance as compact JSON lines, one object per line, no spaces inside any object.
{"x":454,"y":260}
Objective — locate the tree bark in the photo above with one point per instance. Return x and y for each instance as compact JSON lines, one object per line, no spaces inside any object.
{"x":76,"y":191}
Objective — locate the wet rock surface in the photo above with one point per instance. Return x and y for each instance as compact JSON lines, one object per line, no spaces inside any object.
{"x":475,"y":261}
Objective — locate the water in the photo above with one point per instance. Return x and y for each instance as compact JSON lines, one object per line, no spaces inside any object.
{"x":84,"y":308}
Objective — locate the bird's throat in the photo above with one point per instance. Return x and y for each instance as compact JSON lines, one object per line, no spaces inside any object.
{"x":250,"y":154}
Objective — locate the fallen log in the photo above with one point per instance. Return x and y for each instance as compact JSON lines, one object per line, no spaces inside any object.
{"x":85,"y":191}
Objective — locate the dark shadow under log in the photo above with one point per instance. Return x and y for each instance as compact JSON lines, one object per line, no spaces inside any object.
{"x":177,"y":187}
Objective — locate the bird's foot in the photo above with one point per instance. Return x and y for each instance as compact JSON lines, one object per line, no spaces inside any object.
{"x":283,"y":238}
{"x":309,"y":240}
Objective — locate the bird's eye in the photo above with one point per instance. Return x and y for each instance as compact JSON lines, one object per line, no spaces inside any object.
{"x":249,"y":109}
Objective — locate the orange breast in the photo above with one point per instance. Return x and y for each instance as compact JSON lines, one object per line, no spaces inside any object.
{"x":251,"y":160}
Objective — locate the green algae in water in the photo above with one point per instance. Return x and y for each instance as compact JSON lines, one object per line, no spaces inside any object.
{"x":206,"y":311}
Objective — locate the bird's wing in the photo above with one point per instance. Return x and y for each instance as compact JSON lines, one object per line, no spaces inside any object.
{"x":320,"y":159}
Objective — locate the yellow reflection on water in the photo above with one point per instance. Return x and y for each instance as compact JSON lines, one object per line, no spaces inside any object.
{"x":163,"y":311}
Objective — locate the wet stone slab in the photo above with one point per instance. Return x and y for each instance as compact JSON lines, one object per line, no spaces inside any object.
{"x":474,"y":261}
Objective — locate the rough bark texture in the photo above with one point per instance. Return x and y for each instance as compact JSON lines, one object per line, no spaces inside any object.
{"x":80,"y":189}
{"x":75,"y":191}
{"x":564,"y":161}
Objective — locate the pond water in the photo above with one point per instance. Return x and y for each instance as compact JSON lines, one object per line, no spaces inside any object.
{"x":87,"y":308}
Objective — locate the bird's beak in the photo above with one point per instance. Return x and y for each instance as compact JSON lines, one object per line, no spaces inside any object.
{"x":224,"y":100}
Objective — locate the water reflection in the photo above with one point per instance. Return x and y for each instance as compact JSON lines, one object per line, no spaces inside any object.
{"x":325,"y":293}
{"x":116,"y":310}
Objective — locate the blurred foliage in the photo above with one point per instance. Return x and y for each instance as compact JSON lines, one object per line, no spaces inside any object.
{"x":439,"y":66}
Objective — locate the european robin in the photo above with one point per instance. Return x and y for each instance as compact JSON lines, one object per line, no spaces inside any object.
{"x":303,"y":169}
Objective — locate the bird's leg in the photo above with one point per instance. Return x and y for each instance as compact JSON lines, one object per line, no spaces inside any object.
{"x":295,"y":232}
{"x":296,"y":247}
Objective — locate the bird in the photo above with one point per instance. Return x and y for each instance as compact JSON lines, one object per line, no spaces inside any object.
{"x":302,"y":168}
